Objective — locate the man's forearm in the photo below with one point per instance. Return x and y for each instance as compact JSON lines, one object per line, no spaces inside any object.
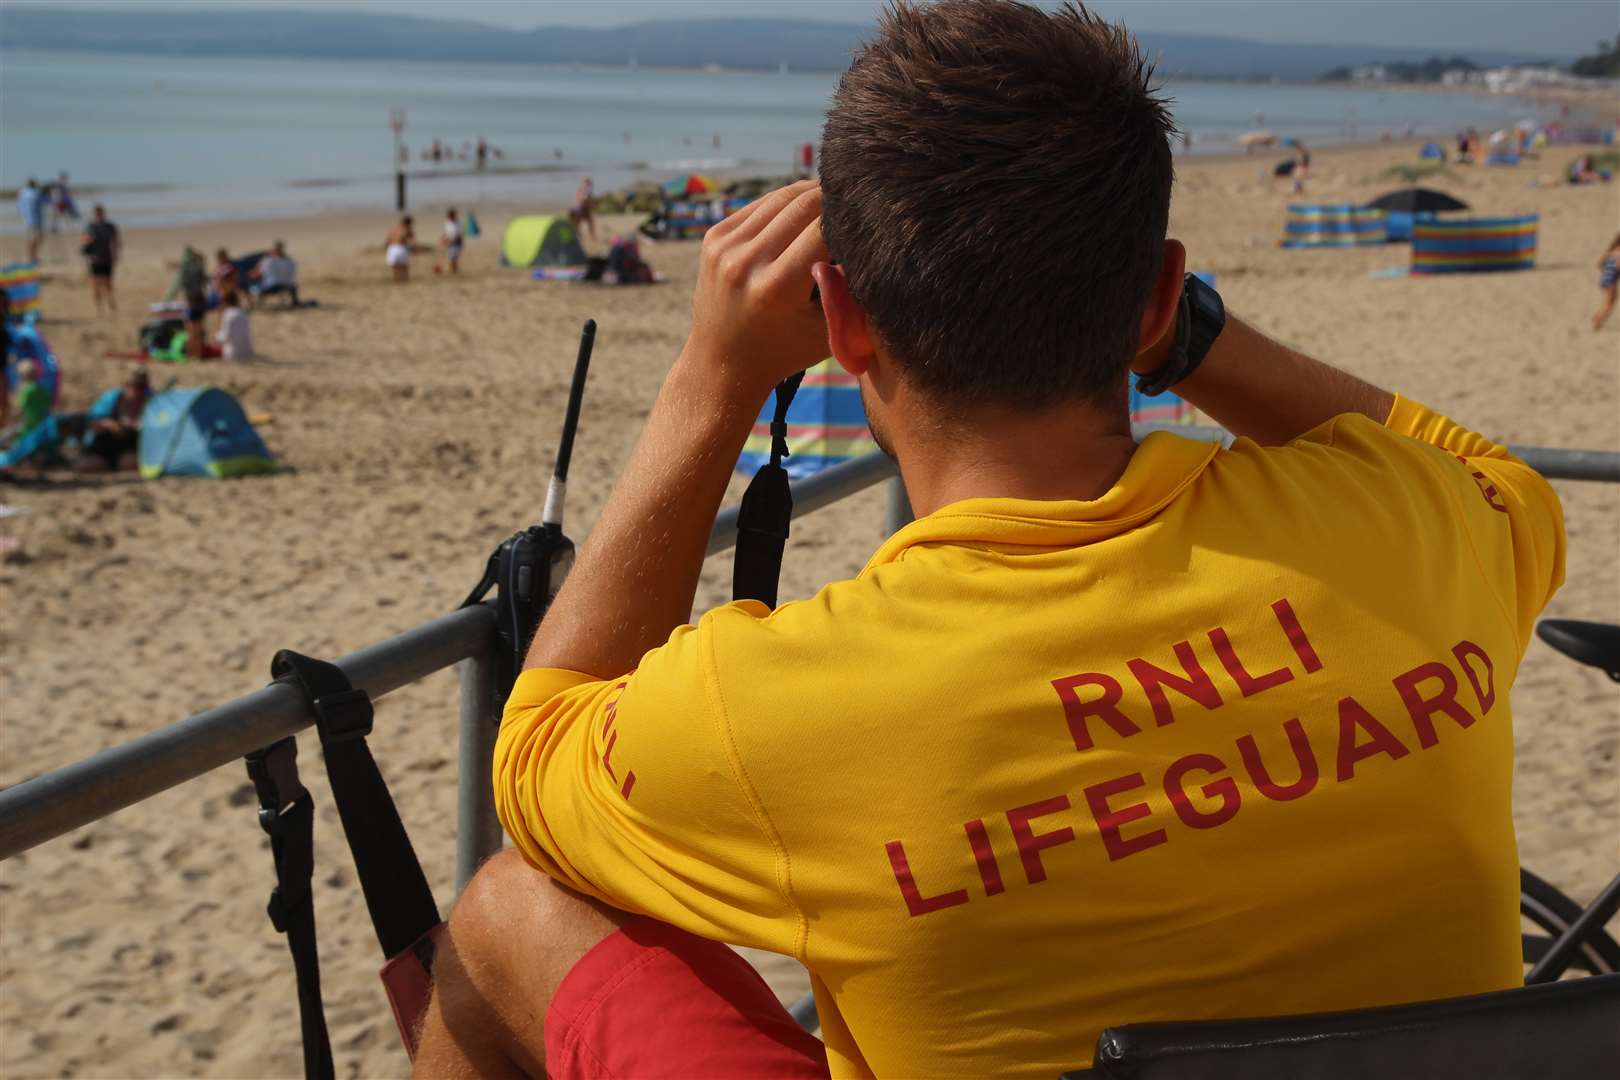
{"x":636,"y":576}
{"x":1265,"y":391}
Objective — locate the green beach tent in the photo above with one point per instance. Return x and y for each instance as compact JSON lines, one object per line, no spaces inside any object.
{"x":541,"y":240}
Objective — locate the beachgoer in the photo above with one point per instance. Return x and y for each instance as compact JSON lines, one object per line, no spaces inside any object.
{"x":31,"y":208}
{"x":33,"y":400}
{"x":583,"y":209}
{"x":235,"y":339}
{"x":482,"y":153}
{"x":1229,"y":728}
{"x":62,"y":205}
{"x":1608,"y":281}
{"x":1302,"y":167}
{"x":450,"y":242}
{"x":113,"y":440}
{"x":101,"y":248}
{"x":191,"y":282}
{"x":276,"y":273}
{"x":225,"y":276}
{"x":398,"y":250}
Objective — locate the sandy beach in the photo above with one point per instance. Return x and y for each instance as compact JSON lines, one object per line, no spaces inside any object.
{"x":417,"y":425}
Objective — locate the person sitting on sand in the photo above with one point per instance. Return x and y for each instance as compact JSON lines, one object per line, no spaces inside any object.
{"x":191,"y":281}
{"x":583,"y":211}
{"x":1122,"y":731}
{"x":1608,"y":281}
{"x":112,"y":439}
{"x":33,"y":400}
{"x":450,"y":240}
{"x":234,"y":337}
{"x":275,"y":274}
{"x":398,"y":249}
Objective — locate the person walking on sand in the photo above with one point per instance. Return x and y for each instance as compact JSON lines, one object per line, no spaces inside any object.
{"x":450,"y":241}
{"x":1608,"y":281}
{"x":582,"y":210}
{"x":63,"y":208}
{"x":1036,"y":806}
{"x":31,"y":208}
{"x":398,"y":251}
{"x":102,"y":248}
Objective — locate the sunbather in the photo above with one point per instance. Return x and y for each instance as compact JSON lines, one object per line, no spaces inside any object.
{"x":1113,"y":732}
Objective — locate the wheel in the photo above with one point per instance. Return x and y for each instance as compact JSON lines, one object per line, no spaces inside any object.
{"x":1551,"y":912}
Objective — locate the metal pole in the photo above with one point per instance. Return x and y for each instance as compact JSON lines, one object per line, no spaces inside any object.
{"x":900,"y":514}
{"x":47,"y":806}
{"x":478,"y":830}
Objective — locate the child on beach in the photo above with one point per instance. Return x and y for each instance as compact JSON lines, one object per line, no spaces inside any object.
{"x":398,"y":254}
{"x":1608,"y":281}
{"x":582,"y":211}
{"x":234,"y":337}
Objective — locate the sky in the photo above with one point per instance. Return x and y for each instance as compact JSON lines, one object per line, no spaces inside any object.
{"x":1571,"y":27}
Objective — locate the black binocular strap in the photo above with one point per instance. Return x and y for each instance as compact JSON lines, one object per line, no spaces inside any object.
{"x":287,"y":814}
{"x":766,"y":513}
{"x":396,"y":891}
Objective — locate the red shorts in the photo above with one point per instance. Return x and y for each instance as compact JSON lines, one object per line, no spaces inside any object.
{"x":652,"y":1001}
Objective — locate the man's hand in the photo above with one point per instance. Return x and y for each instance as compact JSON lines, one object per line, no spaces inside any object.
{"x":753,"y":322}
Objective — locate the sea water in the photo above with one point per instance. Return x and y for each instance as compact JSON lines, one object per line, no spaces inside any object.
{"x":166,"y":139}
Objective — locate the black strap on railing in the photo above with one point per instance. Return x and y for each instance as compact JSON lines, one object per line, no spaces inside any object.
{"x":766,"y":512}
{"x":396,"y":891}
{"x":287,"y":814}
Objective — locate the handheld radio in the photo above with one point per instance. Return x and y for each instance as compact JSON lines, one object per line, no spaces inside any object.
{"x":529,"y":567}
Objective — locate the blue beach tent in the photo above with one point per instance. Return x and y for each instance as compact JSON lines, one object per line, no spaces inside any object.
{"x":28,"y":344}
{"x":200,"y":431}
{"x":1432,"y":152}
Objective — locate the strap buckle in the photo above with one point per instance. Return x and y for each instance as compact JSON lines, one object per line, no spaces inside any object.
{"x":274,"y":772}
{"x":343,"y":715}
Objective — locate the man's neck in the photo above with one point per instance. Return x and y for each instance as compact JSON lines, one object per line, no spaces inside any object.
{"x":1072,"y":452}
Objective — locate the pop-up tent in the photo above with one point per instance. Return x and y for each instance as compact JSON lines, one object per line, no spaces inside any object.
{"x":200,"y":431}
{"x":28,"y":344}
{"x":825,"y":425}
{"x":541,"y":240}
{"x":1474,"y":245}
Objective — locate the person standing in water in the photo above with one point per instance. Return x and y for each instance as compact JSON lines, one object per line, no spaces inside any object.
{"x":400,"y":238}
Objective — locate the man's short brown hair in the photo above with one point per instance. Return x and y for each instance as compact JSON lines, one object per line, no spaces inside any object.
{"x":996,"y":183}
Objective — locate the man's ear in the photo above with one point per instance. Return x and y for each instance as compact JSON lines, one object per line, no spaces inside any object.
{"x":1160,"y":314}
{"x":848,"y":332}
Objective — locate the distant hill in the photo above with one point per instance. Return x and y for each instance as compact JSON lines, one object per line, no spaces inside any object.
{"x":728,"y":42}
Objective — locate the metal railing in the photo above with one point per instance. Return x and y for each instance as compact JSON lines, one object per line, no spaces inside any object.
{"x":44,"y":807}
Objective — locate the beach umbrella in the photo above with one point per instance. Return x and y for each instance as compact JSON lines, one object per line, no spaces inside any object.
{"x":691,"y":184}
{"x":1416,"y":200}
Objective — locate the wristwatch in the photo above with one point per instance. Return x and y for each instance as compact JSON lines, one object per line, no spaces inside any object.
{"x":1200,"y":318}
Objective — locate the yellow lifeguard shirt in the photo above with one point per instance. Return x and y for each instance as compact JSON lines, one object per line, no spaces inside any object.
{"x":1231,"y":740}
